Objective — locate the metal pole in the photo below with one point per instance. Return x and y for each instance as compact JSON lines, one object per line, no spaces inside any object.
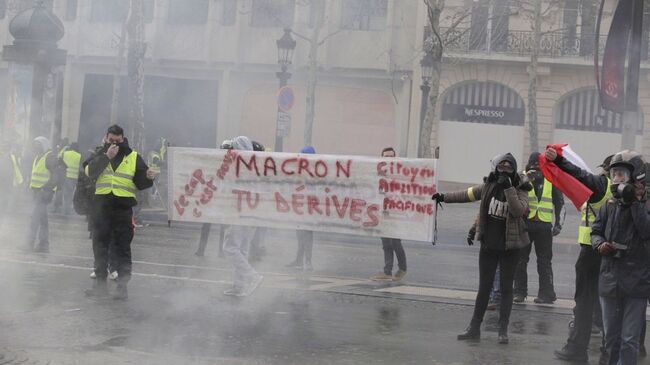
{"x":284,"y":77}
{"x":425,"y":87}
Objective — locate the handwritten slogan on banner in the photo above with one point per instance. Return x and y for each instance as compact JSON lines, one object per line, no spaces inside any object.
{"x":345,"y":194}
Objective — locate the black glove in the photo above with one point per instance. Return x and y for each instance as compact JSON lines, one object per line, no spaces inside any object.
{"x":470,"y":235}
{"x":440,"y":197}
{"x":504,"y":181}
{"x":557,"y":229}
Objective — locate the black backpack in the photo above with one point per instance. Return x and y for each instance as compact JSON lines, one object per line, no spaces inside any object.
{"x":83,"y":194}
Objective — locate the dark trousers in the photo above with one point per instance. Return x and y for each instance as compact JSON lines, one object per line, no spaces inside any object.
{"x":543,"y":241}
{"x":64,"y":195}
{"x":305,"y":245}
{"x":114,"y":224}
{"x":39,"y":224}
{"x":586,"y":296}
{"x":393,"y":246}
{"x":621,"y":317}
{"x":488,"y":260}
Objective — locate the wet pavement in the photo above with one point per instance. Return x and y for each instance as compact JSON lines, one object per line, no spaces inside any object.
{"x":176,"y":313}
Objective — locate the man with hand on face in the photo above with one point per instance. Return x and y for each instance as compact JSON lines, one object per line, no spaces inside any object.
{"x":621,"y":236}
{"x":119,"y":172}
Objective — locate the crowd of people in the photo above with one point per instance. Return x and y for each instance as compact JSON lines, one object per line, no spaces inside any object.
{"x":518,"y":210}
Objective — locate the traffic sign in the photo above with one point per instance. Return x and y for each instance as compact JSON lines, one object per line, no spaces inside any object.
{"x":285,"y":98}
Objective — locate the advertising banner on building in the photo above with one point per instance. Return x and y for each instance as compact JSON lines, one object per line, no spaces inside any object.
{"x":379,"y":197}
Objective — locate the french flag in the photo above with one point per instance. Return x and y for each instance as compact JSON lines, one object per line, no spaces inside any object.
{"x":570,"y":186}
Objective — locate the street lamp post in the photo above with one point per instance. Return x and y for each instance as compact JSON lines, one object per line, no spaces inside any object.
{"x":286,"y":45}
{"x":427,"y":72}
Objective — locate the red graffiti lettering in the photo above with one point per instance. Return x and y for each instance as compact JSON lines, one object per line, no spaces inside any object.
{"x":340,"y":169}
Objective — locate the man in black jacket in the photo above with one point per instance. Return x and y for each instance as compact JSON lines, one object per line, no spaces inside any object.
{"x":588,"y":263}
{"x":119,"y":172}
{"x":621,"y":235}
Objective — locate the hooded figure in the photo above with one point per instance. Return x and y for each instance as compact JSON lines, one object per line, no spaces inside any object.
{"x":237,"y":242}
{"x":502,"y":233}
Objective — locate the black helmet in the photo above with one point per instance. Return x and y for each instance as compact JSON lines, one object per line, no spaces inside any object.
{"x":633,"y":161}
{"x":257,"y":146}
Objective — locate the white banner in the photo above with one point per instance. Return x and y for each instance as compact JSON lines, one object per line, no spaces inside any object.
{"x":381,"y":197}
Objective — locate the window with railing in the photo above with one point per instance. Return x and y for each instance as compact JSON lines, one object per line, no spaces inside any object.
{"x":364,"y":14}
{"x":272,"y":13}
{"x":183,"y":12}
{"x":490,"y":21}
{"x":581,"y":111}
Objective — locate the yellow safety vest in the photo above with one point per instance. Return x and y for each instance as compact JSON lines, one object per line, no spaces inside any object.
{"x":18,"y":176}
{"x":589,"y":213}
{"x":542,"y":208}
{"x":118,"y":182}
{"x":153,"y":161}
{"x":71,"y":159}
{"x":40,"y":173}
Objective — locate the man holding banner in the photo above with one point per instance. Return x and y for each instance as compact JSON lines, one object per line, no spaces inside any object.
{"x":236,"y":244}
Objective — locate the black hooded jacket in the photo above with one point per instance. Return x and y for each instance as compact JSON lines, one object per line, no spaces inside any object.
{"x":98,"y":162}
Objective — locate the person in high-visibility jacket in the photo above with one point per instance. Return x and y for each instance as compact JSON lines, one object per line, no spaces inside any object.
{"x":43,"y":181}
{"x":119,"y":172}
{"x":545,"y":202}
{"x":587,"y":309}
{"x":71,"y":158}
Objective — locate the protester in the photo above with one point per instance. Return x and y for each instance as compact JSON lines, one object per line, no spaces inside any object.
{"x":502,"y":233}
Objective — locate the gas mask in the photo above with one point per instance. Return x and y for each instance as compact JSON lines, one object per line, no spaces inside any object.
{"x":622,"y":187}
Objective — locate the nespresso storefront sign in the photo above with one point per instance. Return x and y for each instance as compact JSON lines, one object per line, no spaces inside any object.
{"x":483,"y":114}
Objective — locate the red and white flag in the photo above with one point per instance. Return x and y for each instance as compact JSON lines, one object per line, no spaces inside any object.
{"x":570,"y":186}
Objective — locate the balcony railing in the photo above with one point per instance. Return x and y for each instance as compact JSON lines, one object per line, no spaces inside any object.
{"x":520,"y":43}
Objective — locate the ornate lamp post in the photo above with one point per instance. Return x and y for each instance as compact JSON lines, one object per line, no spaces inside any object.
{"x":286,"y":44}
{"x":427,"y":71}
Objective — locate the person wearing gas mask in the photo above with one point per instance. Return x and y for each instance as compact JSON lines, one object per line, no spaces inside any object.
{"x":621,"y":236}
{"x":545,"y":202}
{"x":119,"y":172}
{"x":502,"y":233}
{"x":587,"y":309}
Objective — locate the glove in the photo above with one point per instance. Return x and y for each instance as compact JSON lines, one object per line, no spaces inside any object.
{"x":504,"y":181}
{"x":440,"y":197}
{"x":470,"y":235}
{"x":557,"y":229}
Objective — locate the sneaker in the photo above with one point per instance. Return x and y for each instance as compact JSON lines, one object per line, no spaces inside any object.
{"x":234,"y":292}
{"x":113,"y":275}
{"x":519,"y":298}
{"x":257,"y":280}
{"x":540,"y":300}
{"x":382,"y":277}
{"x":399,"y":275}
{"x":93,"y":275}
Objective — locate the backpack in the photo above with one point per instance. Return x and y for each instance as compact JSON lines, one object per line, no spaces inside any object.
{"x":83,"y":194}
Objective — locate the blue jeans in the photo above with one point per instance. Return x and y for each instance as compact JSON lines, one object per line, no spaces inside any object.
{"x":621,"y":318}
{"x":495,"y":295}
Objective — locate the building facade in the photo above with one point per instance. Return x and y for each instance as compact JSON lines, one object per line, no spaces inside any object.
{"x":211,"y":74}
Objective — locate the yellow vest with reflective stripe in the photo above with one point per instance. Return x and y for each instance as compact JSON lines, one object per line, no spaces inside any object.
{"x":589,"y":212}
{"x":542,"y":208}
{"x":40,"y":173}
{"x":62,"y":151}
{"x":153,"y":161}
{"x":118,"y":182}
{"x":18,"y":176}
{"x":71,"y":159}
